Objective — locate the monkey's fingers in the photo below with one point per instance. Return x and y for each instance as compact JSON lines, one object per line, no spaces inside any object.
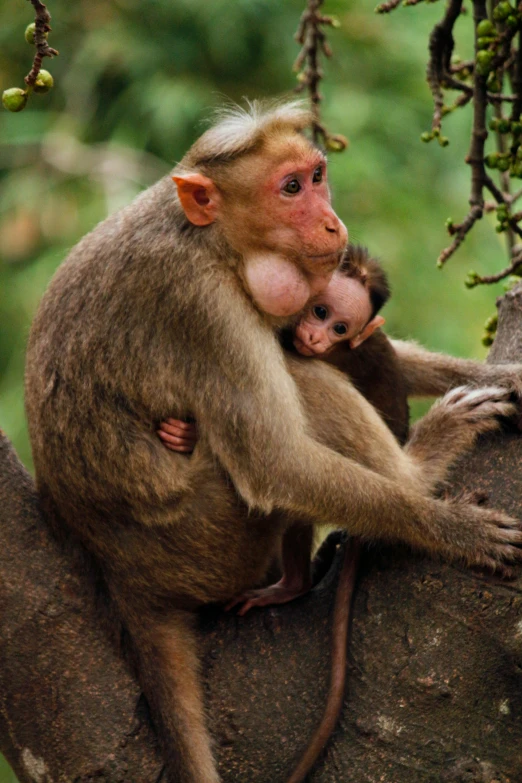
{"x":183,"y":429}
{"x":176,"y":443}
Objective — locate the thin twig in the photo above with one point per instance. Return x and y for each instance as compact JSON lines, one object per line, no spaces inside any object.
{"x":313,"y":41}
{"x":42,"y":21}
{"x":385,"y":8}
{"x":509,"y":270}
{"x":441,"y":48}
{"x":460,"y":232}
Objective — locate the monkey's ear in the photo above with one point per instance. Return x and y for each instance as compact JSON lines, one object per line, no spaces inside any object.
{"x":199,"y":198}
{"x":369,"y":329}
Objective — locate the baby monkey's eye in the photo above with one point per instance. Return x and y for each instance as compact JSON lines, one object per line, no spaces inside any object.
{"x":340,"y":329}
{"x":292,"y":187}
{"x":320,"y":312}
{"x":318,"y":174}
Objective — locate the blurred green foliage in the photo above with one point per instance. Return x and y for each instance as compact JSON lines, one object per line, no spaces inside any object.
{"x":134,"y":83}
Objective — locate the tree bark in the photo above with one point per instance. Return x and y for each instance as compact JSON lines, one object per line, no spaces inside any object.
{"x":434,"y":679}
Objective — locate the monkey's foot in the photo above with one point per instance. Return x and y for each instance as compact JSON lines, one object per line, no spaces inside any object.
{"x":279,"y":593}
{"x":481,"y":406}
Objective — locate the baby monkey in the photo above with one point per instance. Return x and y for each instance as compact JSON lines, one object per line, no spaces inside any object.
{"x":333,"y":324}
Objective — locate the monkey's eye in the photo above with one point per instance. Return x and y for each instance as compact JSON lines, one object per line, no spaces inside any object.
{"x":320,"y":312}
{"x":340,"y":329}
{"x":292,"y":187}
{"x":318,"y":174}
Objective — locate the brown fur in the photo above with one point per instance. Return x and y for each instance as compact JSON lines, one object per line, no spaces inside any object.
{"x":148,"y":318}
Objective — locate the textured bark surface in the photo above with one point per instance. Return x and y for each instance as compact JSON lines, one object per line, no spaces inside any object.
{"x":435,"y":675}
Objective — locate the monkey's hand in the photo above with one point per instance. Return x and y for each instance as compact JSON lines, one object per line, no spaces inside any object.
{"x":178,"y":435}
{"x":279,"y":593}
{"x":495,"y":538}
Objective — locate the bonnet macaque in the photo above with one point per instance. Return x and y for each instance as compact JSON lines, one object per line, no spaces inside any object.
{"x":332,"y":325}
{"x":168,"y":308}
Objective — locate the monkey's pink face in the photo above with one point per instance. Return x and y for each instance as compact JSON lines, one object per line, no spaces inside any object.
{"x":299,"y":220}
{"x":340,"y":313}
{"x":296,"y":237}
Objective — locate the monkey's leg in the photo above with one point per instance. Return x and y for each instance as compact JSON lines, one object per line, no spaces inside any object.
{"x":296,"y":578}
{"x":430,"y":374}
{"x":168,"y":667}
{"x":452,"y":425}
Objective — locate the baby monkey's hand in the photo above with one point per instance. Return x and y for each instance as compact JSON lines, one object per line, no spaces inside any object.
{"x":178,"y":435}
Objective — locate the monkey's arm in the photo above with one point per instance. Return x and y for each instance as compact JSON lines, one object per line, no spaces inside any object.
{"x":430,"y":374}
{"x":296,"y":580}
{"x":296,"y":437}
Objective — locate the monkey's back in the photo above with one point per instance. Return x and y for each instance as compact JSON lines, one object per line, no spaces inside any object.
{"x":106,"y":363}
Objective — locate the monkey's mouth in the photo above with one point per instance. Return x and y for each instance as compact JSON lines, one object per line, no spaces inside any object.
{"x":303,"y":349}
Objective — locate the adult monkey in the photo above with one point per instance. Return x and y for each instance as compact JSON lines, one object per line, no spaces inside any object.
{"x":155,"y":314}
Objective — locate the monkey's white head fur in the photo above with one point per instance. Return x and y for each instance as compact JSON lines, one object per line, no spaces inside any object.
{"x":238,"y":130}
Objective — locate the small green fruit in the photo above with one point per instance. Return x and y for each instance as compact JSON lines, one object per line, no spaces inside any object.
{"x":487,"y":340}
{"x":511,"y":281}
{"x":29,"y":33}
{"x":491,"y":160}
{"x":516,"y":128}
{"x":443,"y":141}
{"x":484,"y":58}
{"x":485,"y":27}
{"x":503,"y":164}
{"x":502,"y":11}
{"x":511,"y":21}
{"x":491,"y":323}
{"x":471,"y":280}
{"x":503,"y":126}
{"x":14,"y":99}
{"x":426,"y":136}
{"x":44,"y":82}
{"x":484,"y":42}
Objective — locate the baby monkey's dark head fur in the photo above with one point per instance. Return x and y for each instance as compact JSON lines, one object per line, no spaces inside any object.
{"x":358,"y":263}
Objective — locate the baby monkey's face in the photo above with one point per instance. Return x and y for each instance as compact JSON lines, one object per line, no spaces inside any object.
{"x":341,"y":313}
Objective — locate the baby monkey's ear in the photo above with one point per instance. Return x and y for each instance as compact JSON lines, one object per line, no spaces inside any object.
{"x":199,"y":197}
{"x":369,"y":329}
